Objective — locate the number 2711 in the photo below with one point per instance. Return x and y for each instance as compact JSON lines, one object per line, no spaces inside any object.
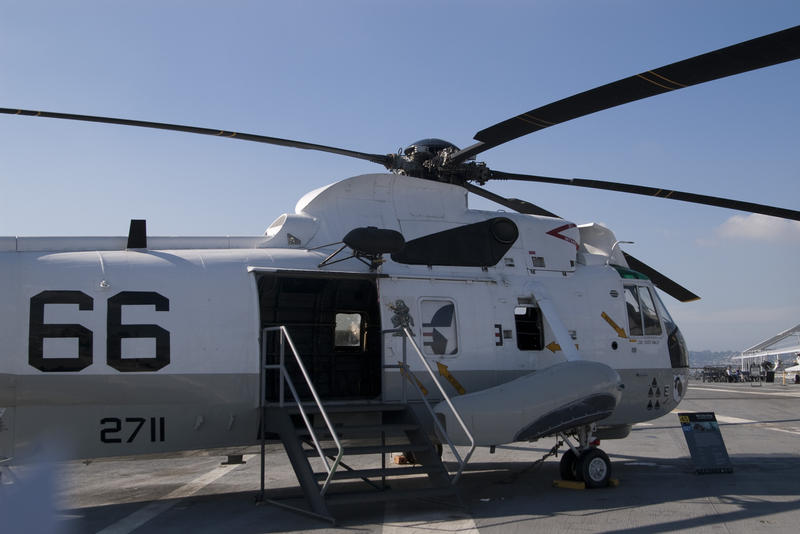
{"x":116,"y":429}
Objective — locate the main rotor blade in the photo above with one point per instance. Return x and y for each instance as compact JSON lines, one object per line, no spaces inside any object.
{"x":375,"y":158}
{"x":515,"y":204}
{"x":662,"y":282}
{"x":757,"y":53}
{"x":655,"y":192}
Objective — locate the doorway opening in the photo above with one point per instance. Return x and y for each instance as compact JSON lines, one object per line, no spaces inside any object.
{"x":334,"y":323}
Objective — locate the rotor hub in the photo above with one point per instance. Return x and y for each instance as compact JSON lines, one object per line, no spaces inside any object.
{"x":431,"y":159}
{"x":430,"y":146}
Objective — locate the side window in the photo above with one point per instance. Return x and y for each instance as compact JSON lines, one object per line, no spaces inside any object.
{"x":530,"y":334}
{"x":642,"y":315}
{"x":439,"y":330}
{"x":348,"y":330}
{"x":652,"y":326}
{"x":634,"y":312}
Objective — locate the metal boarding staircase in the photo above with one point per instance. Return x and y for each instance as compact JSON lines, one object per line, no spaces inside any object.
{"x":311,"y":429}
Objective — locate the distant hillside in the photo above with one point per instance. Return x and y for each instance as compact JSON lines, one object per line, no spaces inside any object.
{"x":707,"y":357}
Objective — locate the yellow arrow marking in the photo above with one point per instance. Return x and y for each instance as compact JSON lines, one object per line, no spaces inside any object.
{"x":553,"y":346}
{"x":409,"y":375}
{"x":450,"y":378}
{"x":615,"y":326}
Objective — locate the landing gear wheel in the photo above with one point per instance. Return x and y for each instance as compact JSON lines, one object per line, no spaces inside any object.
{"x":595,"y":467}
{"x":568,"y":467}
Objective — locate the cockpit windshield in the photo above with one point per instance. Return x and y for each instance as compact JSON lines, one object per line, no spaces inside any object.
{"x":669,"y":323}
{"x":642,"y":316}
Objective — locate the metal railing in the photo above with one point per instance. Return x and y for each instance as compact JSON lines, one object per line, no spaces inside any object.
{"x":285,"y":378}
{"x":409,"y":377}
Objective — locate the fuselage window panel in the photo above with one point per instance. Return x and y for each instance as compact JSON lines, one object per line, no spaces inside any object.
{"x":439,"y":329}
{"x":348,"y":330}
{"x":530,"y":331}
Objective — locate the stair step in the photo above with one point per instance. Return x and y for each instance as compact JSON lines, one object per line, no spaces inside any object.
{"x":348,"y":408}
{"x":372,"y":449}
{"x":359,"y":430}
{"x":342,"y":474}
{"x":389,"y":494}
{"x":366,"y":427}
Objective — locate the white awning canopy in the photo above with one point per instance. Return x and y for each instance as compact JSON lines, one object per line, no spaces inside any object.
{"x":787,"y":342}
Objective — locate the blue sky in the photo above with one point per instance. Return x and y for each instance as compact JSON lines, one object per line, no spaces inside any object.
{"x":375,"y":76}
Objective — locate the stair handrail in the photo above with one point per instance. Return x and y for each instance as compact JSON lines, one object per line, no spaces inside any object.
{"x":442,"y":432}
{"x":284,"y":376}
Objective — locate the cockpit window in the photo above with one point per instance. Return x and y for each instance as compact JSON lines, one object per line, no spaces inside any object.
{"x":669,"y":322}
{"x":634,"y":312}
{"x":642,"y":314}
{"x":652,"y":326}
{"x":678,"y":353}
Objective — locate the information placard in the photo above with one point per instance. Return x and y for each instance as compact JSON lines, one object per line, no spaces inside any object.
{"x":704,"y":439}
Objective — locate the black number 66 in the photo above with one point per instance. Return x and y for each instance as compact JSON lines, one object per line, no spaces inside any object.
{"x":116,"y":332}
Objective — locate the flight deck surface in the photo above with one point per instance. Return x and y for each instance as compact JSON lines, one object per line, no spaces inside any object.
{"x":658,"y":489}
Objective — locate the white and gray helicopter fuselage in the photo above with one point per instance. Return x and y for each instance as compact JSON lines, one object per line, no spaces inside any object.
{"x":108,"y":351}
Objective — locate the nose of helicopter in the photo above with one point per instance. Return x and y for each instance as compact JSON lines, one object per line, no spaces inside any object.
{"x":678,"y":353}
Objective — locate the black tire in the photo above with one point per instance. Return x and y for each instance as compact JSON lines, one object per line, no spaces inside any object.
{"x":568,"y":467}
{"x":410,"y":458}
{"x":595,"y":468}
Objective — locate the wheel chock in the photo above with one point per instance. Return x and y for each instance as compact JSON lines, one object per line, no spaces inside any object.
{"x":574,"y":485}
{"x":569,"y":484}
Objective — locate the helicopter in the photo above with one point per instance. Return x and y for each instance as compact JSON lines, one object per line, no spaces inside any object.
{"x":538,"y":327}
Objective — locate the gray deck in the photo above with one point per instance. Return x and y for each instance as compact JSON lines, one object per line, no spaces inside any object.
{"x":658,"y":490}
